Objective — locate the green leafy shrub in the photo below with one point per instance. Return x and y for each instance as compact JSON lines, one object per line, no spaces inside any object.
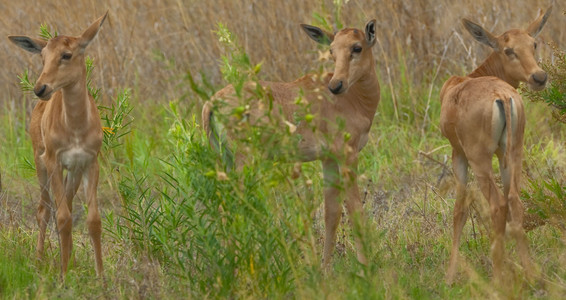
{"x":548,"y":194}
{"x":554,"y":95}
{"x":225,"y":233}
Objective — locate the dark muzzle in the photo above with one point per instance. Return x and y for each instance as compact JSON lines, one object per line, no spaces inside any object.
{"x":41,"y":91}
{"x":337,"y":89}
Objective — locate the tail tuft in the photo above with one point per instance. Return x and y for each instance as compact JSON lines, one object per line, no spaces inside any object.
{"x":216,"y":135}
{"x":206,"y":116}
{"x":505,"y":107}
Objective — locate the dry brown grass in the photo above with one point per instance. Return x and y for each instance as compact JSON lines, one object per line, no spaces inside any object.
{"x":425,"y":36}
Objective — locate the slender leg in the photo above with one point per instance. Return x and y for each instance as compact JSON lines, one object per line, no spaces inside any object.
{"x":460,"y":167}
{"x":44,"y":210}
{"x":516,"y":228}
{"x":498,"y":205}
{"x":354,"y":205}
{"x":93,"y":219}
{"x":63,"y":215}
{"x":332,"y":208}
{"x":72,"y":182}
{"x":511,"y":179}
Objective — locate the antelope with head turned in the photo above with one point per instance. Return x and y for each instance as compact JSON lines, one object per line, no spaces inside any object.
{"x":482,"y":115}
{"x":66,"y":134}
{"x":349,"y":96}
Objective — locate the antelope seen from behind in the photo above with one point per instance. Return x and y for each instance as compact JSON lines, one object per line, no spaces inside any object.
{"x":349,"y":97}
{"x":66,"y":134}
{"x":482,"y":115}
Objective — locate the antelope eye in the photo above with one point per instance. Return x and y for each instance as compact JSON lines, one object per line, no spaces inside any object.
{"x":66,"y":56}
{"x":331,"y":51}
{"x":509,"y":52}
{"x":357,"y":49}
{"x":535,"y":46}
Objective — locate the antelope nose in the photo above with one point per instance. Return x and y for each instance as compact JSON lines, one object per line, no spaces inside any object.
{"x":335,"y":90}
{"x":40,"y":92}
{"x":540,"y":78}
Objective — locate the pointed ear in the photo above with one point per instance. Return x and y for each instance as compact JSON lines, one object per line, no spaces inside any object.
{"x":318,"y":35}
{"x":29,"y":44}
{"x":370,"y":33}
{"x":535,"y":28}
{"x":91,"y":31}
{"x":481,"y":35}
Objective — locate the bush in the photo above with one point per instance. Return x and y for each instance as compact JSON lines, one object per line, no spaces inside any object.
{"x":225,"y":233}
{"x":555,"y":93}
{"x":548,"y":193}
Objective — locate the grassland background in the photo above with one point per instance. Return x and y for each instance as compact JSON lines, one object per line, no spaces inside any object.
{"x":149,"y":46}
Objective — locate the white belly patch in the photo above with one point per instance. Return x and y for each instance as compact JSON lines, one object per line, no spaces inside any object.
{"x":75,"y":159}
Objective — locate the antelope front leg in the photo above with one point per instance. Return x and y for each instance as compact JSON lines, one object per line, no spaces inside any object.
{"x":72,"y":181}
{"x":44,"y":209}
{"x":332,"y":208}
{"x":93,"y":219}
{"x":63,"y":215}
{"x":354,"y":204}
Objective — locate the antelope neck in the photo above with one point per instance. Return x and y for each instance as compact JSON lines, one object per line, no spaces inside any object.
{"x":492,"y":66}
{"x":76,"y":103}
{"x":366,"y":93}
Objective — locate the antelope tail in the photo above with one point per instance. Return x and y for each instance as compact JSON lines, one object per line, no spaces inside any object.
{"x":206,"y":117}
{"x":216,"y":136}
{"x":507,"y":105}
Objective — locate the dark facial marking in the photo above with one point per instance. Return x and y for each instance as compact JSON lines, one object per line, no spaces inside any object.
{"x":358,"y":34}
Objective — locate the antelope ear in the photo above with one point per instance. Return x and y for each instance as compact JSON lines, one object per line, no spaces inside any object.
{"x":318,"y":35}
{"x":29,"y":44}
{"x":370,"y":33}
{"x":481,"y":35}
{"x":91,"y":31}
{"x":537,"y":25}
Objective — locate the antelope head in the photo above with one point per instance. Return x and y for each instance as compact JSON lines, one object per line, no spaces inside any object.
{"x":62,"y":56}
{"x":351,"y":51}
{"x":516,"y":51}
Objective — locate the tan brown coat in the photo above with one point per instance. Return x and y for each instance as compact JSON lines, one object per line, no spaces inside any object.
{"x":349,"y":95}
{"x":66,"y":134}
{"x":483,"y":115}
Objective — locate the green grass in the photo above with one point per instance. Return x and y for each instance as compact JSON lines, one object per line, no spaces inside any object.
{"x":18,"y":276}
{"x":174,"y":226}
{"x":165,"y":236}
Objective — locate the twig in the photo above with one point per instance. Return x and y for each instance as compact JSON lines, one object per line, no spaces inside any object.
{"x":437,"y":194}
{"x":393,"y":95}
{"x":427,"y":155}
{"x":432,"y":84}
